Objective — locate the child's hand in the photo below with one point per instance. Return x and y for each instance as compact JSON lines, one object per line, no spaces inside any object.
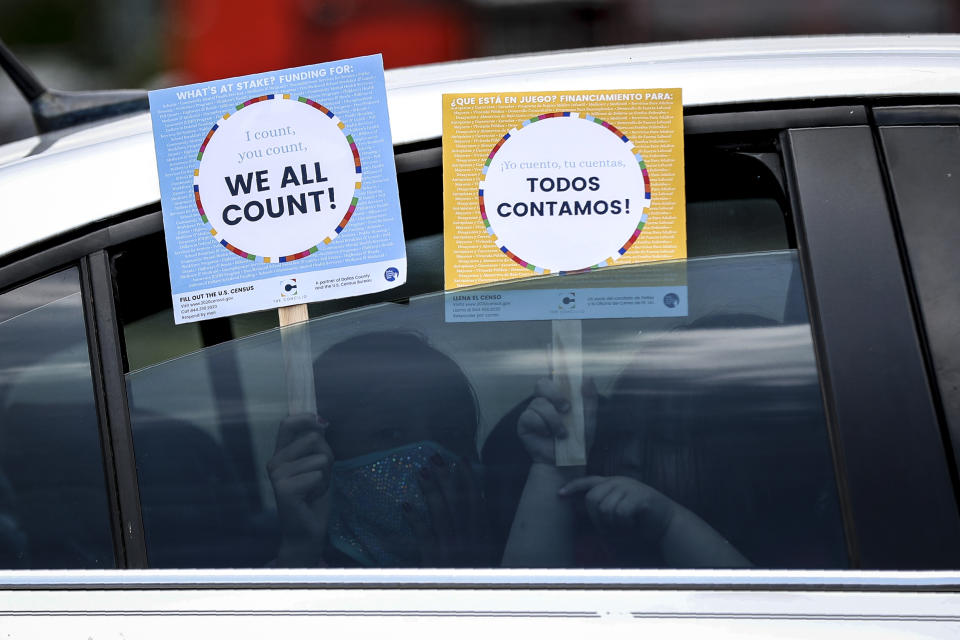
{"x":541,"y":423}
{"x":634,"y":518}
{"x":300,"y":471}
{"x":622,"y":508}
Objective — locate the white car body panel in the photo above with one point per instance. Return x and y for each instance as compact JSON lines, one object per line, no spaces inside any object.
{"x":480,"y":604}
{"x":110,"y":168}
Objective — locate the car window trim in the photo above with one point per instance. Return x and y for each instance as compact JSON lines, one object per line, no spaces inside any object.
{"x":845,"y":236}
{"x":33,"y":262}
{"x":819,"y":350}
{"x":774,"y":119}
{"x":110,"y":392}
{"x":924,"y":114}
{"x":99,"y":396}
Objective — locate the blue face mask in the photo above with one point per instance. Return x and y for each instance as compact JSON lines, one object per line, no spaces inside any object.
{"x":367,"y":521}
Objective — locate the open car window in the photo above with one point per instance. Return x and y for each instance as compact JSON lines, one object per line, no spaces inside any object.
{"x":717,"y":415}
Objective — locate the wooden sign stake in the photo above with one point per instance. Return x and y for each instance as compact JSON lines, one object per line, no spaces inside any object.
{"x":567,"y":367}
{"x":297,"y":359}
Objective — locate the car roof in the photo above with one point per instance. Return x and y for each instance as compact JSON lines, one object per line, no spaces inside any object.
{"x":57,"y":182}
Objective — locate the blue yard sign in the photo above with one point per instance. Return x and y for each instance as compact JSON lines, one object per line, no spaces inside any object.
{"x":278,"y":189}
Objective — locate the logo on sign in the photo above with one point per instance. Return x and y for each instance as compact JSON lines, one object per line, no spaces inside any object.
{"x":391,"y":274}
{"x":671,"y":300}
{"x":288,"y":288}
{"x":568,"y":300}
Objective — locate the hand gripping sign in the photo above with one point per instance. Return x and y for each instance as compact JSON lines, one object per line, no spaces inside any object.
{"x":554,"y":183}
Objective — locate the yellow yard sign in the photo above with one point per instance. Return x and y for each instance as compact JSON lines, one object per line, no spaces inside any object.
{"x":555,"y":182}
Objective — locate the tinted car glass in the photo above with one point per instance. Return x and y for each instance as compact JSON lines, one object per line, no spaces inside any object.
{"x":735,"y":202}
{"x":53,"y":500}
{"x":719,"y":412}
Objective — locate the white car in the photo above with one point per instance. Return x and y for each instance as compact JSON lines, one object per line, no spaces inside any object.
{"x":806,"y":414}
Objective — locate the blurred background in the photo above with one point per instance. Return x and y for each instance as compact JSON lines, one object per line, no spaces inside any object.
{"x":101,"y":44}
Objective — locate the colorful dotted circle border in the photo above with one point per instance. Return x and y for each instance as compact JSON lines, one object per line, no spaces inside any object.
{"x":353,"y":201}
{"x":567,"y":114}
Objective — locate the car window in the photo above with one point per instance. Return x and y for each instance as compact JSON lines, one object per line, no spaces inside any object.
{"x":53,"y":499}
{"x":924,"y":164}
{"x":709,"y":447}
{"x":208,"y":465}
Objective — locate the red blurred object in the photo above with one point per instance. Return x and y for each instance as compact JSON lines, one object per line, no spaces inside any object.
{"x":220,"y":38}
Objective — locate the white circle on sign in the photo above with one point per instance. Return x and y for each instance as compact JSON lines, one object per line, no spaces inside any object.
{"x":277,"y":179}
{"x":564,"y":192}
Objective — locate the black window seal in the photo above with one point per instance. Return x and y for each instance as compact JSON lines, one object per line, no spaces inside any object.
{"x":819,"y":350}
{"x":774,"y":119}
{"x":100,"y":401}
{"x":924,"y":114}
{"x":114,"y":416}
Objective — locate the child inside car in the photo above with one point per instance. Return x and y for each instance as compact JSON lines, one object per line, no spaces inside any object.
{"x":386,"y":476}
